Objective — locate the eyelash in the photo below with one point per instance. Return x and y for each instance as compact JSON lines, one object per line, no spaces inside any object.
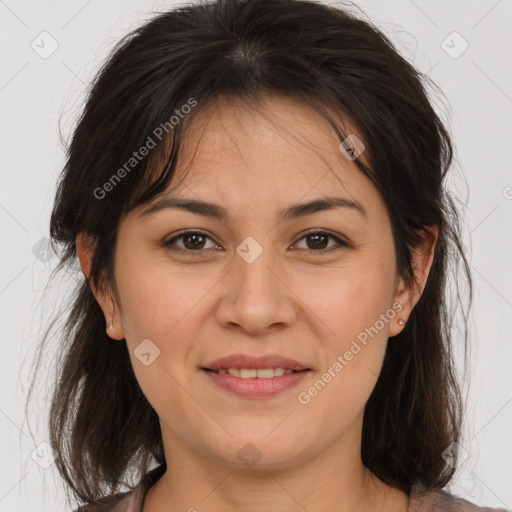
{"x":341,"y":243}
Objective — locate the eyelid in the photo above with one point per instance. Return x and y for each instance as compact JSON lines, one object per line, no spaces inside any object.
{"x":321,"y":231}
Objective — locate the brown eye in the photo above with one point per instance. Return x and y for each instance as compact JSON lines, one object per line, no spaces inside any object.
{"x":192,"y":241}
{"x":195,"y":242}
{"x":319,"y":240}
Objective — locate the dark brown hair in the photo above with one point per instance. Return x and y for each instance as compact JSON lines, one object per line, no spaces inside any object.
{"x":101,"y":424}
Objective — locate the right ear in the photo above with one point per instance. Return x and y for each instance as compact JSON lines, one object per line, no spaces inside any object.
{"x":85,"y":247}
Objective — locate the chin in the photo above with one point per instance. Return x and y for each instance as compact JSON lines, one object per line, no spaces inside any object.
{"x":263,"y":452}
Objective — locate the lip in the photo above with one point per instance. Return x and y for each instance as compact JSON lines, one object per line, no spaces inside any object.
{"x":252,"y":362}
{"x":256,"y":388}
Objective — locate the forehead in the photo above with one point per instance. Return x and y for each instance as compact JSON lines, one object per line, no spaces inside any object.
{"x":259,"y":161}
{"x":279,"y":143}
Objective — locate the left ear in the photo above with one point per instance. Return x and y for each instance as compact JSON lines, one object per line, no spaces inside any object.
{"x":422,"y":259}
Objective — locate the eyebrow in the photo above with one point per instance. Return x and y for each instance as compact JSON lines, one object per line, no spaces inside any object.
{"x":218,"y":212}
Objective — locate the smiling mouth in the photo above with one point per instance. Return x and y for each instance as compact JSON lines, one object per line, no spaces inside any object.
{"x":253,"y":373}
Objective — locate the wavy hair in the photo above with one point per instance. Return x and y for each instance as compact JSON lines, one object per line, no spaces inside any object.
{"x":101,"y":425}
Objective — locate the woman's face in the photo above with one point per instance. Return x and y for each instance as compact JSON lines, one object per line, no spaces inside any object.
{"x":255,"y":283}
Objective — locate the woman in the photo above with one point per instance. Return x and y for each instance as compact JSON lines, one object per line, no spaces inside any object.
{"x":255,"y":193}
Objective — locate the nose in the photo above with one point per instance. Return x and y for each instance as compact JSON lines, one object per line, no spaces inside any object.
{"x":257,"y":298}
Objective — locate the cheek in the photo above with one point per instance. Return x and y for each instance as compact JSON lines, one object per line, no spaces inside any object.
{"x":159,"y":314}
{"x":354,"y":315}
{"x":156,"y":297}
{"x":349,"y":299}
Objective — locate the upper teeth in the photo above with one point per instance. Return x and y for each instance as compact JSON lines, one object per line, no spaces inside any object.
{"x":251,"y":373}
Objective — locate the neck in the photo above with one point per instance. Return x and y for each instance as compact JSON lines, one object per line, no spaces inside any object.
{"x":334,"y":479}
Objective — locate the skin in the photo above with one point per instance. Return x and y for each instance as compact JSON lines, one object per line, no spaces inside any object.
{"x":308,"y":303}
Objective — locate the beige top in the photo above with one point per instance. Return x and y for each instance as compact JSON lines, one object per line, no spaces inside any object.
{"x":420,"y":501}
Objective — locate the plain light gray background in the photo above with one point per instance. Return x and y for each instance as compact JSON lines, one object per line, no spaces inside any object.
{"x":35,"y":91}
